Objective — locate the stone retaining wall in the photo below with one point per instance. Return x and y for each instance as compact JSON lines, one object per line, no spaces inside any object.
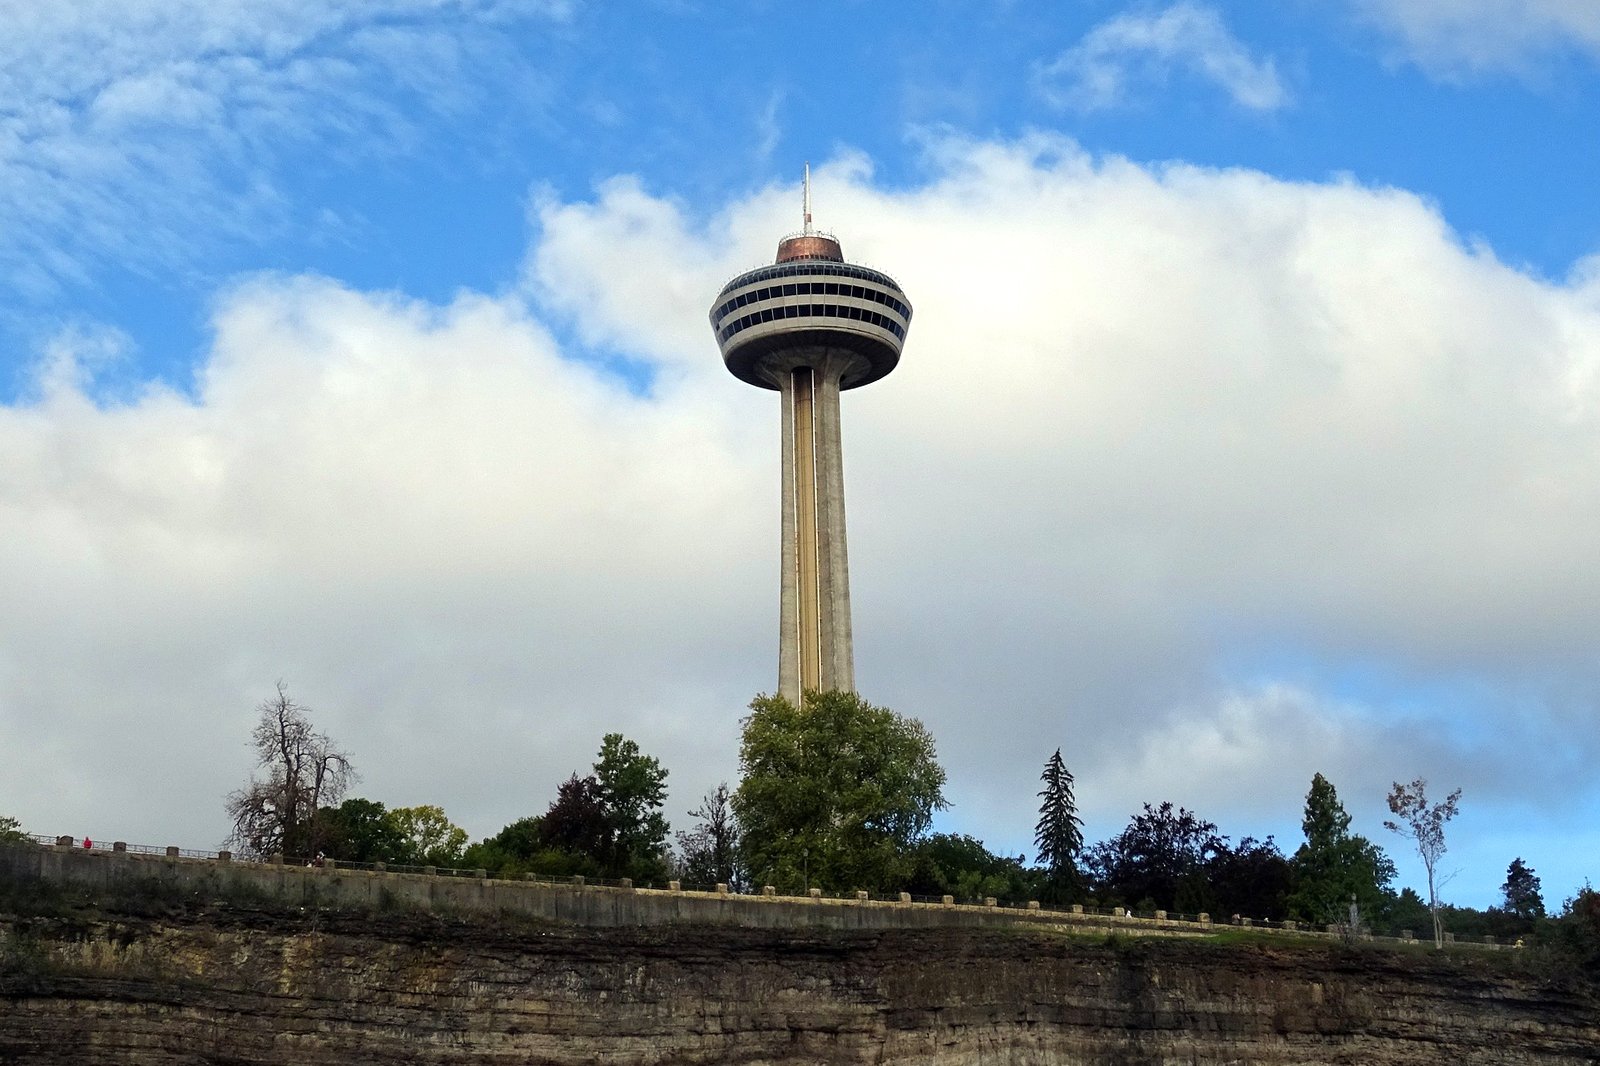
{"x":578,"y":904}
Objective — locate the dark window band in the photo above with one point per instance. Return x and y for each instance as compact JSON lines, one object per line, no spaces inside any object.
{"x":807,"y":288}
{"x":772,"y":314}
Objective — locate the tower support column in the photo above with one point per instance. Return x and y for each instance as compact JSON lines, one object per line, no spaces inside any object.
{"x":814,"y":630}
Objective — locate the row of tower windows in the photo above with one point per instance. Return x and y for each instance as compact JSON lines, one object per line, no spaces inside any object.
{"x":812,"y":288}
{"x":775,"y":314}
{"x":811,"y":266}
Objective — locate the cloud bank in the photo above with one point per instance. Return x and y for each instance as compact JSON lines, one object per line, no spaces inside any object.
{"x":1212,"y":479}
{"x":1466,"y":37}
{"x":1101,"y":70}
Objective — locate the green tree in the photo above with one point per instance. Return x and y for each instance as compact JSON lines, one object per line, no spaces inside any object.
{"x":632,"y":788}
{"x":1572,"y":939}
{"x":1059,"y":833}
{"x":834,"y":794}
{"x":361,"y":830}
{"x":960,"y":866}
{"x":512,"y":850}
{"x":1423,"y":824}
{"x":1521,"y":891}
{"x":1408,"y":911}
{"x":1158,"y":862}
{"x":1334,"y":864}
{"x":1251,"y":879}
{"x":430,"y":838}
{"x":11,"y":831}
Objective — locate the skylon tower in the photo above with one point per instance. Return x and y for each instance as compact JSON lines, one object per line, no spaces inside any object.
{"x":809,"y":327}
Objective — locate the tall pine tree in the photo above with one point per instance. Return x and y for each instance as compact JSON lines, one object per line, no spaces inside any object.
{"x":1059,"y":834}
{"x":1335,"y":864}
{"x":1522,"y":892}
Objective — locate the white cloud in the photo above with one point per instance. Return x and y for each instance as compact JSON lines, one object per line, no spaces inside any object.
{"x":128,"y":129}
{"x":1100,"y":71}
{"x":1149,"y":418}
{"x":1455,"y":37}
{"x":1213,"y":479}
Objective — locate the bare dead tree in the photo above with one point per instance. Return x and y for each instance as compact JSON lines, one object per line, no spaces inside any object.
{"x":301,"y":772}
{"x":710,"y":851}
{"x":1423,"y":824}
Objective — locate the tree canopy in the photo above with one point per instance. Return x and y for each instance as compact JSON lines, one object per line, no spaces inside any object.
{"x":576,"y":820}
{"x":429,"y":837}
{"x":631,"y":788}
{"x":361,"y":830}
{"x":1158,"y":861}
{"x":961,"y":866}
{"x":1522,"y":891}
{"x":834,"y":793}
{"x":1334,"y":865}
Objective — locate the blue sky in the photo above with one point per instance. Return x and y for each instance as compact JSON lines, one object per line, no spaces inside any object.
{"x":1257,"y":351}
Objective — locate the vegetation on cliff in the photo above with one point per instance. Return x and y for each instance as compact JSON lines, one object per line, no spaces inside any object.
{"x":839,"y":795}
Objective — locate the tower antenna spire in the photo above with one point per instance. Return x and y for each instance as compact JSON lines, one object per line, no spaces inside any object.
{"x":805,"y":199}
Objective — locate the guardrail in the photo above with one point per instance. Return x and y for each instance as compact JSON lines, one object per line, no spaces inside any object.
{"x":1157,"y":918}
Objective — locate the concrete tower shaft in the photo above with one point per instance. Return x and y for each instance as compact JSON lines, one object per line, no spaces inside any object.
{"x":810,"y":327}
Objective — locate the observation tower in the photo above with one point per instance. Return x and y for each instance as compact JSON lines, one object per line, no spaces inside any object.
{"x":810,"y":326}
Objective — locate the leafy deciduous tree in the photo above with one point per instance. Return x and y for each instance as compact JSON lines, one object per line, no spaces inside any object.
{"x":1574,"y":937}
{"x":361,"y":830}
{"x":303,"y":771}
{"x":631,"y":788}
{"x":431,"y":839}
{"x":11,"y":830}
{"x":834,"y":793}
{"x":960,"y":866}
{"x":1251,"y":879}
{"x":1423,"y":823}
{"x":1160,"y":859}
{"x":576,"y":821}
{"x":515,"y":849}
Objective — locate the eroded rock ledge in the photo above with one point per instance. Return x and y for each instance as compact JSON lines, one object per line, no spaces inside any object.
{"x":236,"y":985}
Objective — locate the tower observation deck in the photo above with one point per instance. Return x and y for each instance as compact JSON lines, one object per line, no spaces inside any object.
{"x":810,"y":326}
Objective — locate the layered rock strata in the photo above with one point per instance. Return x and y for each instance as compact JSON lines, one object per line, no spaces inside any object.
{"x":236,"y":985}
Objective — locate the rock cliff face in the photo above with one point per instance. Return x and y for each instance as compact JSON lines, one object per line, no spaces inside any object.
{"x":238,"y":986}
